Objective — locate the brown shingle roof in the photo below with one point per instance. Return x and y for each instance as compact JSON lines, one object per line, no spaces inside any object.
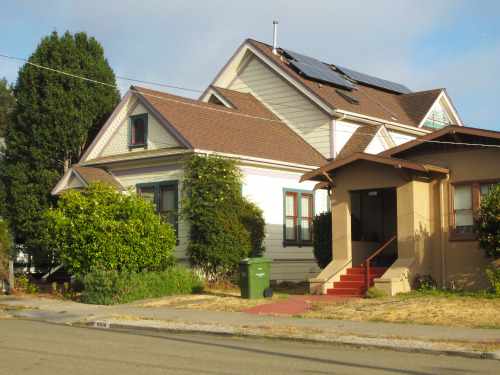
{"x":408,"y":108}
{"x":90,"y":174}
{"x":250,"y":130}
{"x":359,"y":141}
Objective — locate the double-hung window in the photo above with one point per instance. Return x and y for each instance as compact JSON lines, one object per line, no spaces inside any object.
{"x":138,"y":131}
{"x":298,"y":212}
{"x":164,"y":197}
{"x":466,"y":200}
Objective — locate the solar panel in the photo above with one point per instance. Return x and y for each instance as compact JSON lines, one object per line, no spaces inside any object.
{"x":374,"y":81}
{"x":315,"y":69}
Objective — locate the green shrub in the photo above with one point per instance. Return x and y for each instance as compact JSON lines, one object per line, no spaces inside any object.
{"x":224,"y":226}
{"x":104,"y":287}
{"x":322,"y":239}
{"x":494,"y":277}
{"x":487,"y":224}
{"x":104,"y":226}
{"x":374,"y":292}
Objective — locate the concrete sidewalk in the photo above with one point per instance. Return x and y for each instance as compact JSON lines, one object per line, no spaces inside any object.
{"x":400,"y":337}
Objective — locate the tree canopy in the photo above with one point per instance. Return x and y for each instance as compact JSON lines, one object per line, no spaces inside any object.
{"x":7,"y":100}
{"x":103,"y":226}
{"x":55,"y":115}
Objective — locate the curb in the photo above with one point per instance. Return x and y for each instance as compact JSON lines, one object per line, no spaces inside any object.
{"x":236,"y":333}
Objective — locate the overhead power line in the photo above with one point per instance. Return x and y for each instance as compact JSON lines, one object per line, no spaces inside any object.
{"x":211,"y":108}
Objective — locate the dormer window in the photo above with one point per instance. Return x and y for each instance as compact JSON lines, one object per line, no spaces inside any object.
{"x":138,"y":131}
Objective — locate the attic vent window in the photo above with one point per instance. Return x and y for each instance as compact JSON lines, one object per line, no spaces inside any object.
{"x":351,"y":99}
{"x":215,"y":100}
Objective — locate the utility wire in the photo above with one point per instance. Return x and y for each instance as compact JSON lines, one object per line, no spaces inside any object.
{"x":217,"y":109}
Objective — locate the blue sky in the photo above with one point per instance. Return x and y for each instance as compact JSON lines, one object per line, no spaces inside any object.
{"x":423,"y":44}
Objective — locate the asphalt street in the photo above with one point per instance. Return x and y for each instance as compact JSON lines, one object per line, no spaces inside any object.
{"x":32,"y":347}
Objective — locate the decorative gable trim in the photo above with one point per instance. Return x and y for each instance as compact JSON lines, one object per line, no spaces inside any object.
{"x":106,"y":125}
{"x":444,"y":101}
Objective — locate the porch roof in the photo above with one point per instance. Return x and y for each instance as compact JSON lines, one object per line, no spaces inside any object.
{"x":323,"y":174}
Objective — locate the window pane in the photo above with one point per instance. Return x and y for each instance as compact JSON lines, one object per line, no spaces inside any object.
{"x":138,"y":131}
{"x":464,"y":221}
{"x":148,"y":193}
{"x":486,"y":188}
{"x":305,"y":201}
{"x":463,"y":197}
{"x":306,"y":230}
{"x":291,"y":230}
{"x":291,"y":209}
{"x":167,"y":198}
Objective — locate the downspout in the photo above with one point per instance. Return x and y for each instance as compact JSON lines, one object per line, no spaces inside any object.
{"x":442,"y":222}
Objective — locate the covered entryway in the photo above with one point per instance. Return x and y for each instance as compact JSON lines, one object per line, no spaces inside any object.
{"x":373,"y":223}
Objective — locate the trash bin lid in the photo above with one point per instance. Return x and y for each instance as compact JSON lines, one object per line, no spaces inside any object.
{"x":255,"y":260}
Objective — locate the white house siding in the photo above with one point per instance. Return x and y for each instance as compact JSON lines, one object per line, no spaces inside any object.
{"x":343,"y":131}
{"x":399,"y":137}
{"x":265,"y":188}
{"x":375,"y":146}
{"x":158,"y":137}
{"x":307,"y":120}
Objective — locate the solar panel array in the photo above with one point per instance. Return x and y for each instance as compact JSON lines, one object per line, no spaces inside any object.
{"x":315,"y":69}
{"x":374,"y":81}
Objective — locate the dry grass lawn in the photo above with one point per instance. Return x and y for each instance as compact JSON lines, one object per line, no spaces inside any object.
{"x":451,"y":311}
{"x":446,"y":310}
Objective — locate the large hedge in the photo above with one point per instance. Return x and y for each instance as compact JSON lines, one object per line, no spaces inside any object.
{"x":224,"y":226}
{"x":103,"y":226}
{"x":487,"y":223}
{"x":5,"y":250}
{"x":322,"y":239}
{"x":103,"y":287}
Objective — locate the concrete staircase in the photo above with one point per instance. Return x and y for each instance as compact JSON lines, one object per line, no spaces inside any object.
{"x":353,"y":282}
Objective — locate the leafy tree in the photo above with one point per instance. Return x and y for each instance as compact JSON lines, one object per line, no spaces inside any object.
{"x":7,"y":100}
{"x":224,"y":226}
{"x":322,"y":239}
{"x":487,"y":223}
{"x":54,"y":117}
{"x":5,"y":250}
{"x":103,"y":226}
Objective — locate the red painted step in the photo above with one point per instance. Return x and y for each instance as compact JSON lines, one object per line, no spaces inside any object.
{"x":353,"y":282}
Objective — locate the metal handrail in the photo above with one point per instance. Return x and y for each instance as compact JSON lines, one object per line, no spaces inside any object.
{"x":366,"y":263}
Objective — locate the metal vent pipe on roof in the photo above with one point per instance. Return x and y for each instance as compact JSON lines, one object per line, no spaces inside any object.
{"x":275,"y":23}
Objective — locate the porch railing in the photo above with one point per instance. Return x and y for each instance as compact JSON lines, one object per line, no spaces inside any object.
{"x":366,"y":263}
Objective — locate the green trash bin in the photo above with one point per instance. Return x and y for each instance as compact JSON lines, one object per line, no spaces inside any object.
{"x":254,"y":278}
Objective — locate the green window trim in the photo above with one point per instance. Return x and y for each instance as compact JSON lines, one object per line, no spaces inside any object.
{"x":296,"y":233}
{"x":138,"y":138}
{"x":155,"y":190}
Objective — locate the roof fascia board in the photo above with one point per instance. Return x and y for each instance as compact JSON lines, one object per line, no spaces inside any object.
{"x":106,"y":125}
{"x":260,"y":161}
{"x":452,"y":107}
{"x":278,"y":70}
{"x":163,"y":121}
{"x":385,"y":137}
{"x":377,"y":121}
{"x":400,"y":163}
{"x":128,"y":159}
